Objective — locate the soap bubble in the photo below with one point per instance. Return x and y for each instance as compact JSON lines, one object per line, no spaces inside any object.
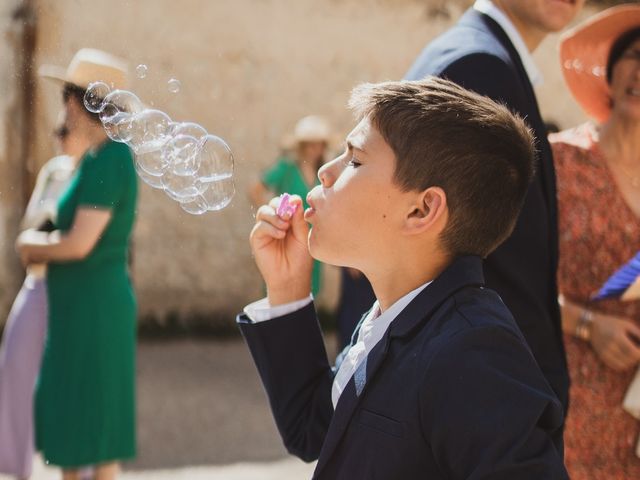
{"x":149,"y":130}
{"x":141,"y":70}
{"x":152,"y":162}
{"x":219,"y":193}
{"x":216,"y":159}
{"x":182,"y":186}
{"x":154,"y":181}
{"x":174,"y":85}
{"x":185,"y":199}
{"x":94,"y":96}
{"x":196,"y":206}
{"x":189,"y":128}
{"x":183,"y":154}
{"x":183,"y":149}
{"x":117,"y":107}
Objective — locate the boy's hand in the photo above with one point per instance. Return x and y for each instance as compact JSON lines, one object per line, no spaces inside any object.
{"x":281,"y":253}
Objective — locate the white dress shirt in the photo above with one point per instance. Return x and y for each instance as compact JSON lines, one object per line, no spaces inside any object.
{"x":373,"y":328}
{"x":489,"y":9}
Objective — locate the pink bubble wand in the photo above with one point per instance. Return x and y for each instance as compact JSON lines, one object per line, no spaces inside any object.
{"x":286,"y":209}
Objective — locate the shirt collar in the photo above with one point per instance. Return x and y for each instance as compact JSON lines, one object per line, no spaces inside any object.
{"x":379,"y":322}
{"x":488,"y":8}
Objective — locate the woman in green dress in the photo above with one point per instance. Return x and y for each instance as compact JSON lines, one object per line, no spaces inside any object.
{"x":296,"y":174}
{"x":85,"y":399}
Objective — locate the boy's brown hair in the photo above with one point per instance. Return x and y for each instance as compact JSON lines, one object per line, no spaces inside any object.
{"x":476,"y":150}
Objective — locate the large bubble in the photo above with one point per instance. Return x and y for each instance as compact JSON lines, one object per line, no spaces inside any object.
{"x":182,"y":186}
{"x":216,"y":160}
{"x":152,"y":162}
{"x":149,"y":130}
{"x":154,"y":181}
{"x":219,"y":194}
{"x":183,"y":149}
{"x":117,"y":108}
{"x":197,"y":206}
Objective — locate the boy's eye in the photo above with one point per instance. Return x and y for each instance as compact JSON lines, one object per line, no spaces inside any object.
{"x":353,"y":162}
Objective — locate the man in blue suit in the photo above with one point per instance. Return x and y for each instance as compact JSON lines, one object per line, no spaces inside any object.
{"x":439,"y":383}
{"x":489,"y":51}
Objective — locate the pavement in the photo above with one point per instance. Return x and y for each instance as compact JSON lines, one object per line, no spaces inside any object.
{"x":202,"y":414}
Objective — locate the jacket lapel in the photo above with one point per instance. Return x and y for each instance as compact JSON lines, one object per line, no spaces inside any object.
{"x":463,"y":272}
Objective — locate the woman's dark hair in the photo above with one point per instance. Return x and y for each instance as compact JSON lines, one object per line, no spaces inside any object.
{"x":73,"y":91}
{"x":619,"y":47}
{"x":61,"y":132}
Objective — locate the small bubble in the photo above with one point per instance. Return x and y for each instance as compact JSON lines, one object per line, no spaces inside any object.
{"x":141,"y":70}
{"x":598,"y":71}
{"x":174,"y":85}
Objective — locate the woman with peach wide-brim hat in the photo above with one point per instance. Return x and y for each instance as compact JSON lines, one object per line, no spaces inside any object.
{"x":598,"y":182}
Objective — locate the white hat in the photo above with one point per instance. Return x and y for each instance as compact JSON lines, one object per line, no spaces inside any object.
{"x":89,"y":65}
{"x":312,"y":129}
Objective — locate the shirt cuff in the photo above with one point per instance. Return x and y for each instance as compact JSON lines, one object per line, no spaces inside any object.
{"x":262,"y":310}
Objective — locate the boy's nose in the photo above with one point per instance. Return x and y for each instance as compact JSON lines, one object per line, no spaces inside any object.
{"x":328,"y":173}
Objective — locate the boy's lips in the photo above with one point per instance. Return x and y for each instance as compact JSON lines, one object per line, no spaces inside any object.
{"x":309,"y":212}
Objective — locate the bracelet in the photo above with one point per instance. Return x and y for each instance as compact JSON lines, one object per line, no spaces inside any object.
{"x":585,"y":322}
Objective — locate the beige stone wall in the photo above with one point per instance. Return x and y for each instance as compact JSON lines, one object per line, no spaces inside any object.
{"x":249,"y":69}
{"x":12,"y":147}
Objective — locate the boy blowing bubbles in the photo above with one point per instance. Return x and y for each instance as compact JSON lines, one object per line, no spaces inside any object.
{"x":438,"y":381}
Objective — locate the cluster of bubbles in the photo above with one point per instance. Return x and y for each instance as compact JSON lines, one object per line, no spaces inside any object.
{"x":598,"y":70}
{"x":192,"y":166}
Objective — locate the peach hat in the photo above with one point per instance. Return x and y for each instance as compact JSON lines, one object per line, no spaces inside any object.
{"x":584,"y":51}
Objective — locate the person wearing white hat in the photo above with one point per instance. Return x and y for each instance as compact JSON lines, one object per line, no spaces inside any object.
{"x":598,"y":182}
{"x":297,"y":173}
{"x":85,"y":398}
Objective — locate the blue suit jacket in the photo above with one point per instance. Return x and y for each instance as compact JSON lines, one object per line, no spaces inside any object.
{"x":452,"y":392}
{"x":477,"y":54}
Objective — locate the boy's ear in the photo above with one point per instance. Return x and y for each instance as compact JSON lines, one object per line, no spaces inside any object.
{"x":429,"y":211}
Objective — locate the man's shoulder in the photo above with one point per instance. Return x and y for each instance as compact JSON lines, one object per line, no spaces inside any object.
{"x":468,"y":38}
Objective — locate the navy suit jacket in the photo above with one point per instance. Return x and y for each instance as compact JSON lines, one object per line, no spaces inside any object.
{"x":477,"y":54}
{"x":452,"y":392}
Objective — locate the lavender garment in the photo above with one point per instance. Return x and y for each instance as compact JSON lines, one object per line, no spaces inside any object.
{"x":20,"y":356}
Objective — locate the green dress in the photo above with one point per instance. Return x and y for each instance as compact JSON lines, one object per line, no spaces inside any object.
{"x":85,"y":399}
{"x":286,"y":177}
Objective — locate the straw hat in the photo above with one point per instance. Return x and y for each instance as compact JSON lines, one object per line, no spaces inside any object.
{"x":90,"y":65}
{"x":312,"y":128}
{"x":584,"y":51}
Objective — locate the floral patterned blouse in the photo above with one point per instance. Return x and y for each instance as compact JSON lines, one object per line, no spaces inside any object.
{"x":598,"y":233}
